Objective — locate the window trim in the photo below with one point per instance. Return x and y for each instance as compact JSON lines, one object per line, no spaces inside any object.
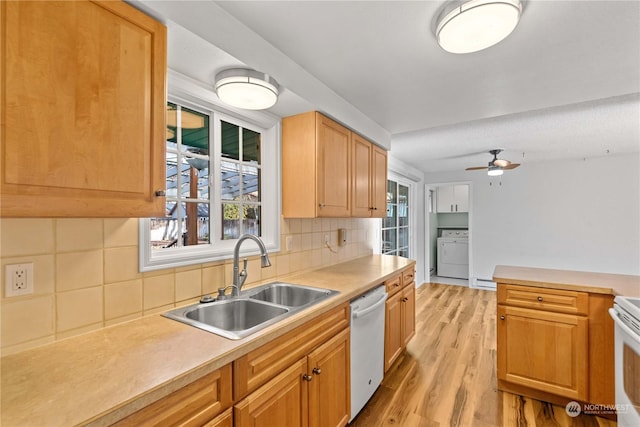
{"x":192,"y":94}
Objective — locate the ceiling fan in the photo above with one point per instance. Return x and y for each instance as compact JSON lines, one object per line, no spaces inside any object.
{"x":496,"y":166}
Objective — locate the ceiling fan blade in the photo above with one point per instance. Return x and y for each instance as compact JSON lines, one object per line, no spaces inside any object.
{"x":477,"y":168}
{"x":511,"y":166}
{"x":501,"y":163}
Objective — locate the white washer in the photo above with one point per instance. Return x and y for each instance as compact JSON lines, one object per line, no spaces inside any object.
{"x":453,"y":254}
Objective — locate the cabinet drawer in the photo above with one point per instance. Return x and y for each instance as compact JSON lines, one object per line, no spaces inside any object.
{"x":192,"y":405}
{"x":393,"y":285}
{"x":560,"y":301}
{"x":408,"y":276}
{"x":260,"y":365}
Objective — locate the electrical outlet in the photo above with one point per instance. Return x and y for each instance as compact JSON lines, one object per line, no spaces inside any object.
{"x":289,"y":243}
{"x":326,"y":238}
{"x":18,"y":279}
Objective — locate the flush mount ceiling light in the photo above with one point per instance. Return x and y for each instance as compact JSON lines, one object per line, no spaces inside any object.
{"x":470,"y":26}
{"x":246,"y":88}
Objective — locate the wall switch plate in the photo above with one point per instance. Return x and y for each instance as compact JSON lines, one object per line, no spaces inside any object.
{"x":18,"y":279}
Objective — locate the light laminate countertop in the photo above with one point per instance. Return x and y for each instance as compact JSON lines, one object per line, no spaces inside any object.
{"x":102,"y":376}
{"x":599,"y":283}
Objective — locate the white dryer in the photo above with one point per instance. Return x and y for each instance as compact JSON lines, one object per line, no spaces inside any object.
{"x":453,"y":254}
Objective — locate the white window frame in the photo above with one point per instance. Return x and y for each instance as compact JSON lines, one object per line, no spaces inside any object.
{"x":191,"y":94}
{"x":402,"y":180}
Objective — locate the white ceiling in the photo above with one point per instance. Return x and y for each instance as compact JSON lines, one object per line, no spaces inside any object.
{"x":565,"y":83}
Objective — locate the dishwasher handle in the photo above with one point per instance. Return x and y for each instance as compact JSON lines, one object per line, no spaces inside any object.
{"x":371,"y":308}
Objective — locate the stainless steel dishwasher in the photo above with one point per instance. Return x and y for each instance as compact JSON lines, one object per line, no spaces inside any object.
{"x":367,"y":346}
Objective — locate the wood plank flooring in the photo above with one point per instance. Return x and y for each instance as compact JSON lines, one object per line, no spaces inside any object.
{"x":447,"y":375}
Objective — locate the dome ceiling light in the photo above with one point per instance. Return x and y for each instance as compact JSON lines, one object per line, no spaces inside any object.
{"x":470,"y":26}
{"x":247,"y":89}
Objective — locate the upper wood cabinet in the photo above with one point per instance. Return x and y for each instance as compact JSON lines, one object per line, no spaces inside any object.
{"x":369,"y":179}
{"x":83,"y":110}
{"x":329,"y":171}
{"x":453,"y":198}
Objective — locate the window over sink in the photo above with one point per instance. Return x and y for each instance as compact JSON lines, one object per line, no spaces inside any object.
{"x":222,"y":180}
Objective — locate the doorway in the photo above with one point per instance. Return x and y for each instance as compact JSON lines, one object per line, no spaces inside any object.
{"x":448,"y":233}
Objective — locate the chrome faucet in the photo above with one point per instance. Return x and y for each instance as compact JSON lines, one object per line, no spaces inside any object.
{"x":239,"y":277}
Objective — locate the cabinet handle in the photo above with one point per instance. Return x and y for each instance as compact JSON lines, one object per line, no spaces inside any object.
{"x":396,"y":284}
{"x":405,"y":299}
{"x":502,"y":317}
{"x":456,"y":208}
{"x":322,"y":205}
{"x":307,"y":377}
{"x":160,"y":193}
{"x":451,"y":208}
{"x":317,"y":371}
{"x":540,"y":299}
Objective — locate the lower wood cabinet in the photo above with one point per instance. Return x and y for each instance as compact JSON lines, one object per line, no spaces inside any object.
{"x":554,"y":344}
{"x":313,"y":392}
{"x":400,"y":315}
{"x":544,"y":350}
{"x":196,"y":404}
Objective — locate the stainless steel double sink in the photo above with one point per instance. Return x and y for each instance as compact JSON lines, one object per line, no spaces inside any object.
{"x":255,"y":309}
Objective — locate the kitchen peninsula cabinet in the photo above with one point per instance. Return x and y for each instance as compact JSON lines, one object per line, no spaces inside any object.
{"x":400,"y":319}
{"x":312,"y":390}
{"x":554,"y":334}
{"x":83,"y":102}
{"x":330,"y":171}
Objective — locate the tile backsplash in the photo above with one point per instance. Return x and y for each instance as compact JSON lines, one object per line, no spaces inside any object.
{"x":86,"y":273}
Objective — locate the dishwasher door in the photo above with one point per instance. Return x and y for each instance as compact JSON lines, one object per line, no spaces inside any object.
{"x":367,"y":346}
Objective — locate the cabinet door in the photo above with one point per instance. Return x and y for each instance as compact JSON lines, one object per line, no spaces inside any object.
{"x":379,"y":183}
{"x":408,"y":313}
{"x":393,"y":339}
{"x":280,"y":402}
{"x":543,"y":350}
{"x":361,"y":173}
{"x":333,"y":179}
{"x":329,"y":398}
{"x":223,"y":420}
{"x":445,"y":201}
{"x":83,"y":104}
{"x":461,"y":198}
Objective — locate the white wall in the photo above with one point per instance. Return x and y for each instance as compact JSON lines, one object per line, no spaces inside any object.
{"x":572,"y":215}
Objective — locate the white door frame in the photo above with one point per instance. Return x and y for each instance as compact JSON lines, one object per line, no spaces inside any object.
{"x":427,"y":249}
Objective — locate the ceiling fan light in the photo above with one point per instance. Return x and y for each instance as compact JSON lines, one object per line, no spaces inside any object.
{"x":247,"y":89}
{"x":494,"y":171}
{"x":477,"y":24}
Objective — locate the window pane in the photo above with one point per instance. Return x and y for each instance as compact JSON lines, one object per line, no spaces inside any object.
{"x":404,"y":253}
{"x":230,"y":221}
{"x":251,"y":220}
{"x":388,"y":240}
{"x":250,"y":184}
{"x":230,"y":147}
{"x":250,"y":146}
{"x":165,"y":230}
{"x":195,"y":131}
{"x":390,"y":220}
{"x":392,"y":192}
{"x":172,"y":174}
{"x":403,"y":237}
{"x":230,"y":181}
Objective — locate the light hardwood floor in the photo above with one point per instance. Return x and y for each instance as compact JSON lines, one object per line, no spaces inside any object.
{"x":447,"y":375}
